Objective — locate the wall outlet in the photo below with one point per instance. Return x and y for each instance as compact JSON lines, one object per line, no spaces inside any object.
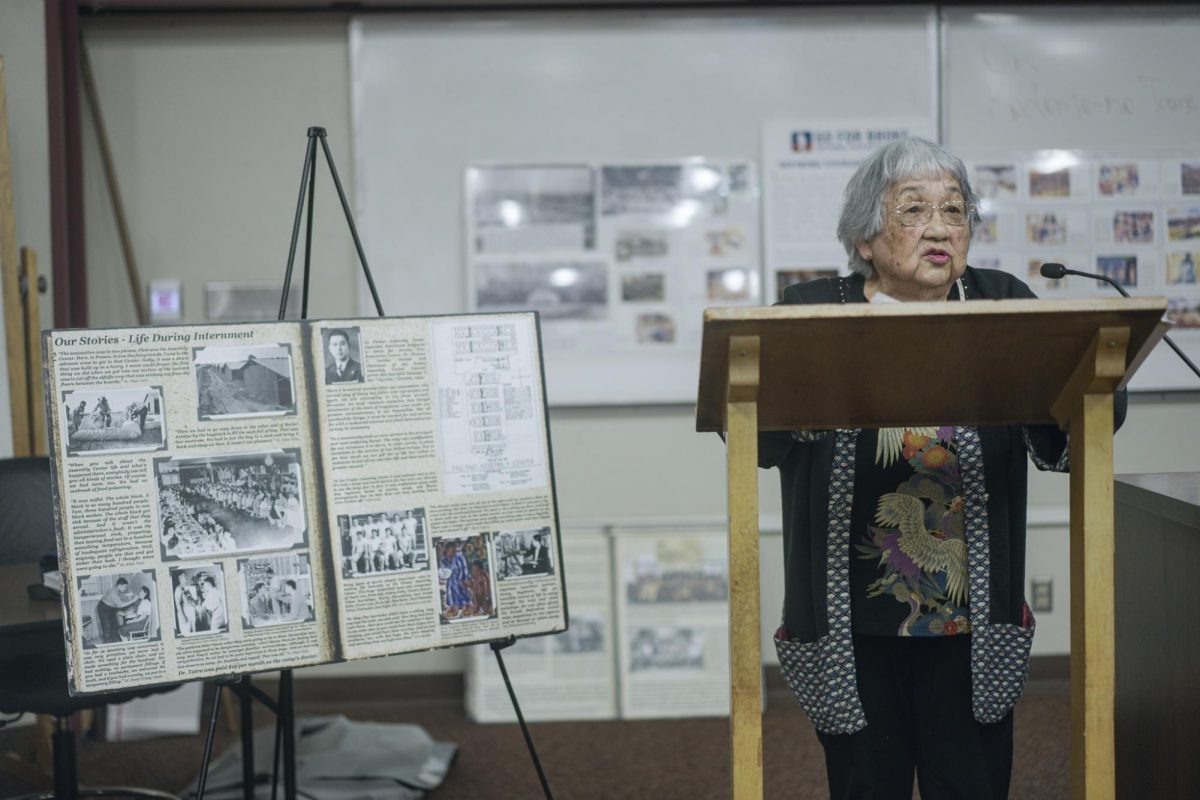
{"x":1041,"y":595}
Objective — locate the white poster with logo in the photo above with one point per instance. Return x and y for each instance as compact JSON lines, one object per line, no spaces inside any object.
{"x":806,"y":164}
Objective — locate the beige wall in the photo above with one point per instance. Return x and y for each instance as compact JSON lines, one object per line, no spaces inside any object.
{"x":23,"y":46}
{"x":208,"y":120}
{"x":208,"y":124}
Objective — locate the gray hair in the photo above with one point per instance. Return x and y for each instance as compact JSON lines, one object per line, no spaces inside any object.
{"x":863,"y":214}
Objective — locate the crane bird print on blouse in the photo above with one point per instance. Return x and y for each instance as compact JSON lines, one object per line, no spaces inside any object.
{"x":919,"y":536}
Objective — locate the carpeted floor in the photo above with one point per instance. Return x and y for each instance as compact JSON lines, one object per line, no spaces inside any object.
{"x":602,"y":760}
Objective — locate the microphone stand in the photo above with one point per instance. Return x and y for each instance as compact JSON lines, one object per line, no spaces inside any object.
{"x":1121,"y":289}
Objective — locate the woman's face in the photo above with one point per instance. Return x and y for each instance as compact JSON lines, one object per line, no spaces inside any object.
{"x":919,"y":263}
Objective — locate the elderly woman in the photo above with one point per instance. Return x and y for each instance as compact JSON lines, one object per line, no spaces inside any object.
{"x":905,"y":631}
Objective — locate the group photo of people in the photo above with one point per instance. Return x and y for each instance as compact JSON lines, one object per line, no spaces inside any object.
{"x":275,"y":590}
{"x":522,"y":554}
{"x":465,"y":578}
{"x":105,"y":420}
{"x":1123,"y":268}
{"x":230,"y":504}
{"x":198,"y":598}
{"x":1133,"y":227}
{"x":387,"y":542}
{"x":118,"y":608}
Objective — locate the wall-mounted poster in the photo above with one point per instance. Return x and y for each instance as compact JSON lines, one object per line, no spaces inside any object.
{"x":619,"y":260}
{"x":672,"y":624}
{"x":806,"y":164}
{"x":260,"y":496}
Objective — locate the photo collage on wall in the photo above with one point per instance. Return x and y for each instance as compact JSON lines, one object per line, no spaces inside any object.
{"x":1133,"y":220}
{"x":613,"y":256}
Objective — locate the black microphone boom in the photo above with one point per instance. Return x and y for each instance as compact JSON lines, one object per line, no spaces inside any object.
{"x":1058,"y":271}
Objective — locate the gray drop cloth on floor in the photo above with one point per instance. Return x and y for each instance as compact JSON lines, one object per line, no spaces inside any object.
{"x":337,"y":759}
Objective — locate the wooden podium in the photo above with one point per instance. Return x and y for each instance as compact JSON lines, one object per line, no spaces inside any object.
{"x":840,"y":366}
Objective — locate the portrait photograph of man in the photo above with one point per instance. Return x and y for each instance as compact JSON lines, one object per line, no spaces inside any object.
{"x":342,"y":354}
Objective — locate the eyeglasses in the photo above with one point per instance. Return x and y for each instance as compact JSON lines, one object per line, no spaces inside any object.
{"x":914,"y":214}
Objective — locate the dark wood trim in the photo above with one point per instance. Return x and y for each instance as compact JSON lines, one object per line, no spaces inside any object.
{"x":109,"y":7}
{"x":67,"y":243}
{"x":57,"y":147}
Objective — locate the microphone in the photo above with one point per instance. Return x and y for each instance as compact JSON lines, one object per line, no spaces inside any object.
{"x":1058,"y":271}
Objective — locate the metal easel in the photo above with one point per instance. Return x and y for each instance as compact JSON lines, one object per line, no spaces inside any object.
{"x":284,"y":705}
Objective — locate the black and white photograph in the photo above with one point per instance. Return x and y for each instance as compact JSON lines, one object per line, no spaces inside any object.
{"x":522,"y":209}
{"x":1121,"y":268}
{"x":383,"y":543}
{"x":737,"y":285}
{"x":1052,"y":183}
{"x":786,"y":277}
{"x":995,"y":181}
{"x":1117,"y":180}
{"x":1184,"y":311}
{"x":275,"y":590}
{"x":524,"y":554}
{"x":559,"y":290}
{"x":1189,"y":177}
{"x":738,"y":178}
{"x":654,"y":328}
{"x":1133,"y":227}
{"x":198,"y":600}
{"x":639,"y":244}
{"x":666,"y":647}
{"x":119,"y":608}
{"x":244,"y":381}
{"x":466,"y":584}
{"x":1181,"y":267}
{"x":649,"y":190}
{"x":112,"y":419}
{"x":1046,"y":227}
{"x":1183,"y":224}
{"x":585,"y":635}
{"x":343,"y":355}
{"x":644,"y":287}
{"x":230,"y":504}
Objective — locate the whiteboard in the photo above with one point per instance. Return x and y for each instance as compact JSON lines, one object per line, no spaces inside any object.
{"x":1096,"y":83}
{"x":433,"y":94}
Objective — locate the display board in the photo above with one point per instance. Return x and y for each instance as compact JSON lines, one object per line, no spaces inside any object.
{"x":1083,"y":132}
{"x":261,"y":496}
{"x":434,"y":95}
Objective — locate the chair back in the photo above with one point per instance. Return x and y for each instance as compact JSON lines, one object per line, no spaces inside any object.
{"x":26,"y":510}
